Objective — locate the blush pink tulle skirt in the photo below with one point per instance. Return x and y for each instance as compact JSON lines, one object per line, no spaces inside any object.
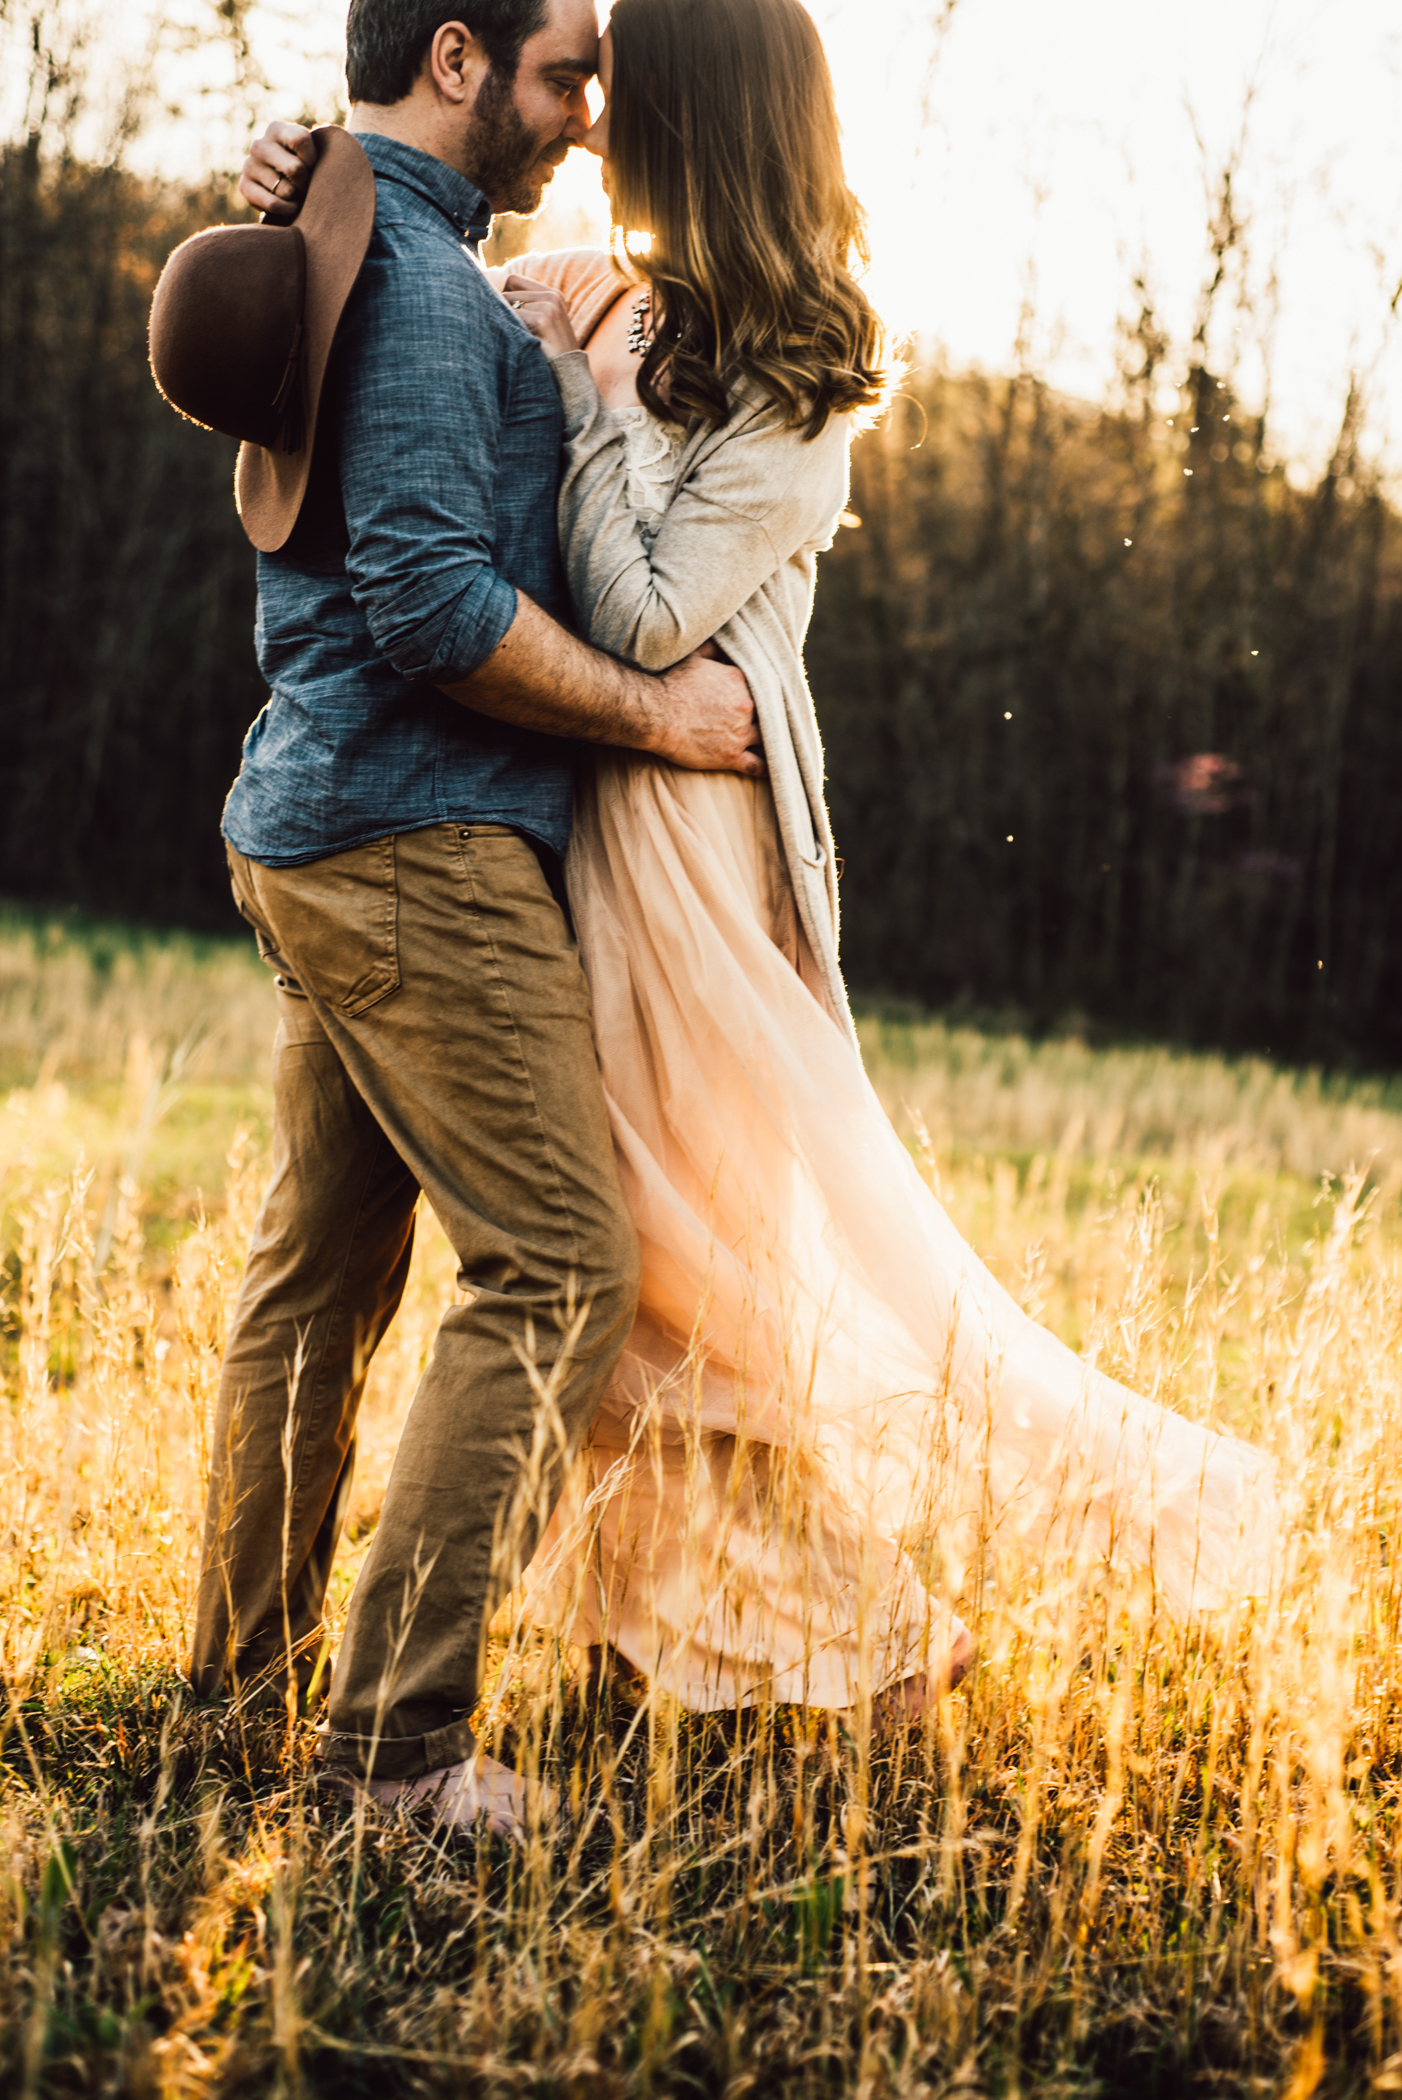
{"x":827,"y":1406}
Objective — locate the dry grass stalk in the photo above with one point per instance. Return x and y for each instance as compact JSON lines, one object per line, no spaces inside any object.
{"x":1124,"y":1850}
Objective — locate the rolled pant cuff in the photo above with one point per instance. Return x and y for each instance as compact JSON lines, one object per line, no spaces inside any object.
{"x":397,"y":1757}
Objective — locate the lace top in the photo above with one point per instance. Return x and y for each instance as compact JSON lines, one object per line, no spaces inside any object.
{"x":651,"y":450}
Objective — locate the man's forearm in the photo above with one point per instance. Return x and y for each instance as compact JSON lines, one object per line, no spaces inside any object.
{"x":699,"y":714}
{"x":540,"y":676}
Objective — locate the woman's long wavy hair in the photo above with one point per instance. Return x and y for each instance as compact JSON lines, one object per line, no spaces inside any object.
{"x":724,"y":146}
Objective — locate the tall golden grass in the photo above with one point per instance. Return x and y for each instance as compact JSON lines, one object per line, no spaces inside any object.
{"x":1125,"y":1855}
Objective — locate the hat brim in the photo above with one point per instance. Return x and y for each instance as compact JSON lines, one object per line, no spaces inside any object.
{"x":336,"y":221}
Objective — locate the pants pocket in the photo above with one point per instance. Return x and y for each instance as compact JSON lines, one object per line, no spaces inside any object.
{"x":336,"y":924}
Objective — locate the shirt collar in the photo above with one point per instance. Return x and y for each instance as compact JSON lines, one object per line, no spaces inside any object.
{"x":439,"y":185}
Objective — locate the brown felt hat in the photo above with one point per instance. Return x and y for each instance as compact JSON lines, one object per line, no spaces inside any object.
{"x":242,"y":325}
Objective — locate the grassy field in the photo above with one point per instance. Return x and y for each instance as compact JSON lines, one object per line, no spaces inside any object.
{"x":1126,"y":1856}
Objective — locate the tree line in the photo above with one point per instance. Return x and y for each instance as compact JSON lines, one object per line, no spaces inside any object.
{"x":1113,"y":710}
{"x":1111,"y":701}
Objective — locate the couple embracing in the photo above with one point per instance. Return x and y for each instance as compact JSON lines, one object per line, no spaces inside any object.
{"x":532,"y":833}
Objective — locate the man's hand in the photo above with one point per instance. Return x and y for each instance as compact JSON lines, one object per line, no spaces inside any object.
{"x":707,"y":719}
{"x":698,"y":715}
{"x":277,"y":171}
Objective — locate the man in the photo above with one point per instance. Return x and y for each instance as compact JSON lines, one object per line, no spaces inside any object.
{"x":395,"y":835}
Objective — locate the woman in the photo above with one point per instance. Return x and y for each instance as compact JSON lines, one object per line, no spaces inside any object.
{"x":823,"y":1380}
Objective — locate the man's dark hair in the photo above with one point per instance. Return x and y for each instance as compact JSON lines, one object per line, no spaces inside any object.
{"x":386,"y":40}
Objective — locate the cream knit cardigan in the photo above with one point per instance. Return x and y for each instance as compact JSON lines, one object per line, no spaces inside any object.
{"x":752,"y":505}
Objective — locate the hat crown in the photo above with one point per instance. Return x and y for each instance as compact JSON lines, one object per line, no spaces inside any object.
{"x":243,"y":322}
{"x":226,"y":327}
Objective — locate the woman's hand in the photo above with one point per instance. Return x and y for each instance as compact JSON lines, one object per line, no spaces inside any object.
{"x":277,"y":171}
{"x":544,"y":313}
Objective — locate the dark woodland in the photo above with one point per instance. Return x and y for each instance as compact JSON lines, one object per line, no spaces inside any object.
{"x":1111,"y":707}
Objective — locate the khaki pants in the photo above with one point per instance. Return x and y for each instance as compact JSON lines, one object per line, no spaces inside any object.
{"x":435,"y":1035}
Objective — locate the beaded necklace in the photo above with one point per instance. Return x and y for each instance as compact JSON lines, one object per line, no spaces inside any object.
{"x":639,"y":328}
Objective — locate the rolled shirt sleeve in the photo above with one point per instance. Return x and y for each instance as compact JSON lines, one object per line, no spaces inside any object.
{"x":420,"y":420}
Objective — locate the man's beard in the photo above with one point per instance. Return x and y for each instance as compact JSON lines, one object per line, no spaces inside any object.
{"x":504,"y":154}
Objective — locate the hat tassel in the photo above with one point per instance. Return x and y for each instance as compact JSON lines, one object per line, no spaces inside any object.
{"x":289,"y":402}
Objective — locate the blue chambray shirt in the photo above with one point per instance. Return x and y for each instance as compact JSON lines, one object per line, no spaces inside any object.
{"x":440,"y":412}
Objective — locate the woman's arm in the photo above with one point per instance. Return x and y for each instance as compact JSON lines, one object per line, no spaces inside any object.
{"x":746,"y":508}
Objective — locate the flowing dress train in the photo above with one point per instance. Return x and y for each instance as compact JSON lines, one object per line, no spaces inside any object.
{"x":824,"y":1383}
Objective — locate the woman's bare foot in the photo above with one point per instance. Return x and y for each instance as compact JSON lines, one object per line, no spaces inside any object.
{"x":476,"y":1790}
